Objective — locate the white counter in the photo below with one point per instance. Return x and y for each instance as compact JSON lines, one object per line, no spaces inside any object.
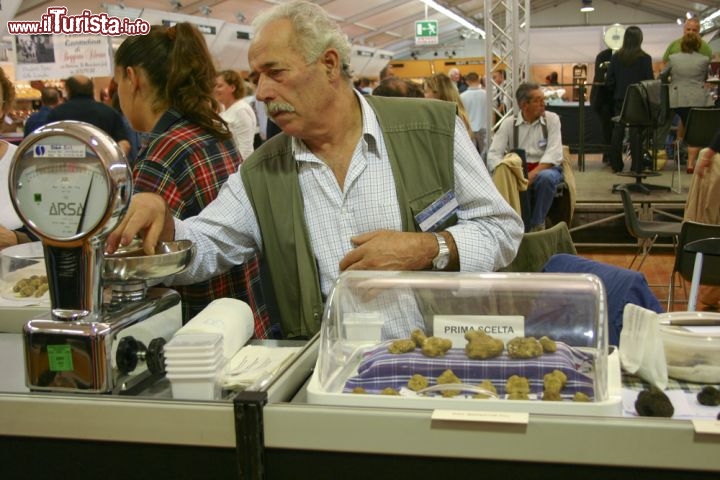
{"x":291,"y":423}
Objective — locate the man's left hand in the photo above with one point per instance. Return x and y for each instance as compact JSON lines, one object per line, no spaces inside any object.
{"x":390,"y":250}
{"x":534,"y":172}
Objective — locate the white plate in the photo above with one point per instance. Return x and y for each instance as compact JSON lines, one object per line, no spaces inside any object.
{"x":6,"y":287}
{"x":32,"y":250}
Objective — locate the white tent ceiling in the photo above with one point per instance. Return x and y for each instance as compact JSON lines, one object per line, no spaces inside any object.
{"x":388,"y":25}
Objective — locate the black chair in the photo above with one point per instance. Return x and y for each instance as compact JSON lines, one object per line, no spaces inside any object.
{"x":685,"y":257}
{"x":706,"y":246}
{"x":644,"y":108}
{"x":646,"y":231}
{"x":702,"y":124}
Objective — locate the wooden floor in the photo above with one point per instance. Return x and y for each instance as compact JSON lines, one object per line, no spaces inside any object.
{"x":595,"y":183}
{"x":594,"y":188}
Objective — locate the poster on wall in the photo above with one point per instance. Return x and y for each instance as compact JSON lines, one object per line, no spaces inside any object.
{"x":39,"y":57}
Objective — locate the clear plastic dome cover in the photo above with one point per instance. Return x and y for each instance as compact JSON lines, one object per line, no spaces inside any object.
{"x":368,"y":311}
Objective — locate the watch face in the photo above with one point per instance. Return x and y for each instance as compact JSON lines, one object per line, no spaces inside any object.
{"x":441,"y":263}
{"x":61,"y":188}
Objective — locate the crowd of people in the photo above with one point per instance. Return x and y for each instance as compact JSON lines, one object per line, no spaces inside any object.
{"x":686,"y":61}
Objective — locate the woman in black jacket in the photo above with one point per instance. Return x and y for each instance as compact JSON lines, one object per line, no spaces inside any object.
{"x":628,"y":66}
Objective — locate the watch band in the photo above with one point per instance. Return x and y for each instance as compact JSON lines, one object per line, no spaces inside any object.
{"x":440,"y":262}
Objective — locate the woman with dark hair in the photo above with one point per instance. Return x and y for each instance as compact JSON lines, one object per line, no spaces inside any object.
{"x":688,"y":71}
{"x":239,"y":115}
{"x":165,"y":87}
{"x":627,"y":66}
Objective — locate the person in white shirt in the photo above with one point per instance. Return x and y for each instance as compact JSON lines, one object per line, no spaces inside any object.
{"x":537,"y":133}
{"x":12,"y":231}
{"x":239,"y":115}
{"x":475,"y":101}
{"x":457,"y":79}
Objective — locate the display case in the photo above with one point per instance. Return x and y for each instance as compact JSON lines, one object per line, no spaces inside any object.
{"x":491,"y":342}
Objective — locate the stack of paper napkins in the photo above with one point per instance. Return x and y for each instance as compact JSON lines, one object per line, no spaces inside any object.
{"x":196,"y":356}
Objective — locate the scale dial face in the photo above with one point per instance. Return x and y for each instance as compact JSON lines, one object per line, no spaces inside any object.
{"x":61,"y":187}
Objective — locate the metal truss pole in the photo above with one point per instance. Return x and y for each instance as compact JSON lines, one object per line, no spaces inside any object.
{"x":507,"y":47}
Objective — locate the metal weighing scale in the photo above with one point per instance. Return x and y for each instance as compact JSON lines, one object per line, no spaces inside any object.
{"x":71,"y":184}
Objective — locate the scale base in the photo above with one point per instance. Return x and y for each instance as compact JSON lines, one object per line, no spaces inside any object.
{"x":81,"y":356}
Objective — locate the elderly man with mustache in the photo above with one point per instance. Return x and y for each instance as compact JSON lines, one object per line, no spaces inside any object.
{"x":352,"y":183}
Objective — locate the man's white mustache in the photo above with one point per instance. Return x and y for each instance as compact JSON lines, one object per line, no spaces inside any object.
{"x":276,"y":107}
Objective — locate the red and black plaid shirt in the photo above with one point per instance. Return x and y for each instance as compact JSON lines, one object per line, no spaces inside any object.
{"x":187,"y":165}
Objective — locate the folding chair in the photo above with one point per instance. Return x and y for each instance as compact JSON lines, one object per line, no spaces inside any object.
{"x":646,"y":231}
{"x":685,"y":256}
{"x":706,"y":246}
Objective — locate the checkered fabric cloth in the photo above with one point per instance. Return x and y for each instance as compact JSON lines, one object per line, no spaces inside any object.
{"x":381,"y":369}
{"x":633,"y":382}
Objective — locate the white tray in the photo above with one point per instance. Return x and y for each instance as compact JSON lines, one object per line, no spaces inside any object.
{"x":610,"y":407}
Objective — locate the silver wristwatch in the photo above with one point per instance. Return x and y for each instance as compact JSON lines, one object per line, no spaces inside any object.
{"x":443,"y":257}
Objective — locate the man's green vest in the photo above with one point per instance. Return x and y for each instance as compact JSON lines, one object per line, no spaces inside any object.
{"x":419,"y":139}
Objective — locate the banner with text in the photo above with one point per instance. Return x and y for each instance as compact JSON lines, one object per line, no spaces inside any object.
{"x":41,"y":57}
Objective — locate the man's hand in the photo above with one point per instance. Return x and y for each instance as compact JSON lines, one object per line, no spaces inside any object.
{"x":7,"y":237}
{"x":536,"y":170}
{"x":704,"y":164}
{"x":147,"y":215}
{"x":391,"y":250}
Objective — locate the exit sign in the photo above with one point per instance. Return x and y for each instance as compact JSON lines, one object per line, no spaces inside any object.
{"x":426,"y":32}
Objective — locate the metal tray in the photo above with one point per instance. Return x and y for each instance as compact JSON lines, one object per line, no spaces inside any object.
{"x":127,"y":266}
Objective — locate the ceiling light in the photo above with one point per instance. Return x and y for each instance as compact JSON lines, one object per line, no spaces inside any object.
{"x":452,"y":15}
{"x":709,"y":22}
{"x":587,"y":6}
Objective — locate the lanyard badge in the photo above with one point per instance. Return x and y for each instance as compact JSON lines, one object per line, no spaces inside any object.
{"x":437,"y":212}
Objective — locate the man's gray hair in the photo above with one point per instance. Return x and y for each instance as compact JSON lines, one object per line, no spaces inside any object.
{"x":523,"y":93}
{"x":314,"y":31}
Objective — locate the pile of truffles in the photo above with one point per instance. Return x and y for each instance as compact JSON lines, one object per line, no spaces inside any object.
{"x":430,"y":346}
{"x":481,"y":346}
{"x":34,"y":286}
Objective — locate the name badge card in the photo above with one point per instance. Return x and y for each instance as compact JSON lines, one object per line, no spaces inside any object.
{"x":437,"y":213}
{"x":454,"y":327}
